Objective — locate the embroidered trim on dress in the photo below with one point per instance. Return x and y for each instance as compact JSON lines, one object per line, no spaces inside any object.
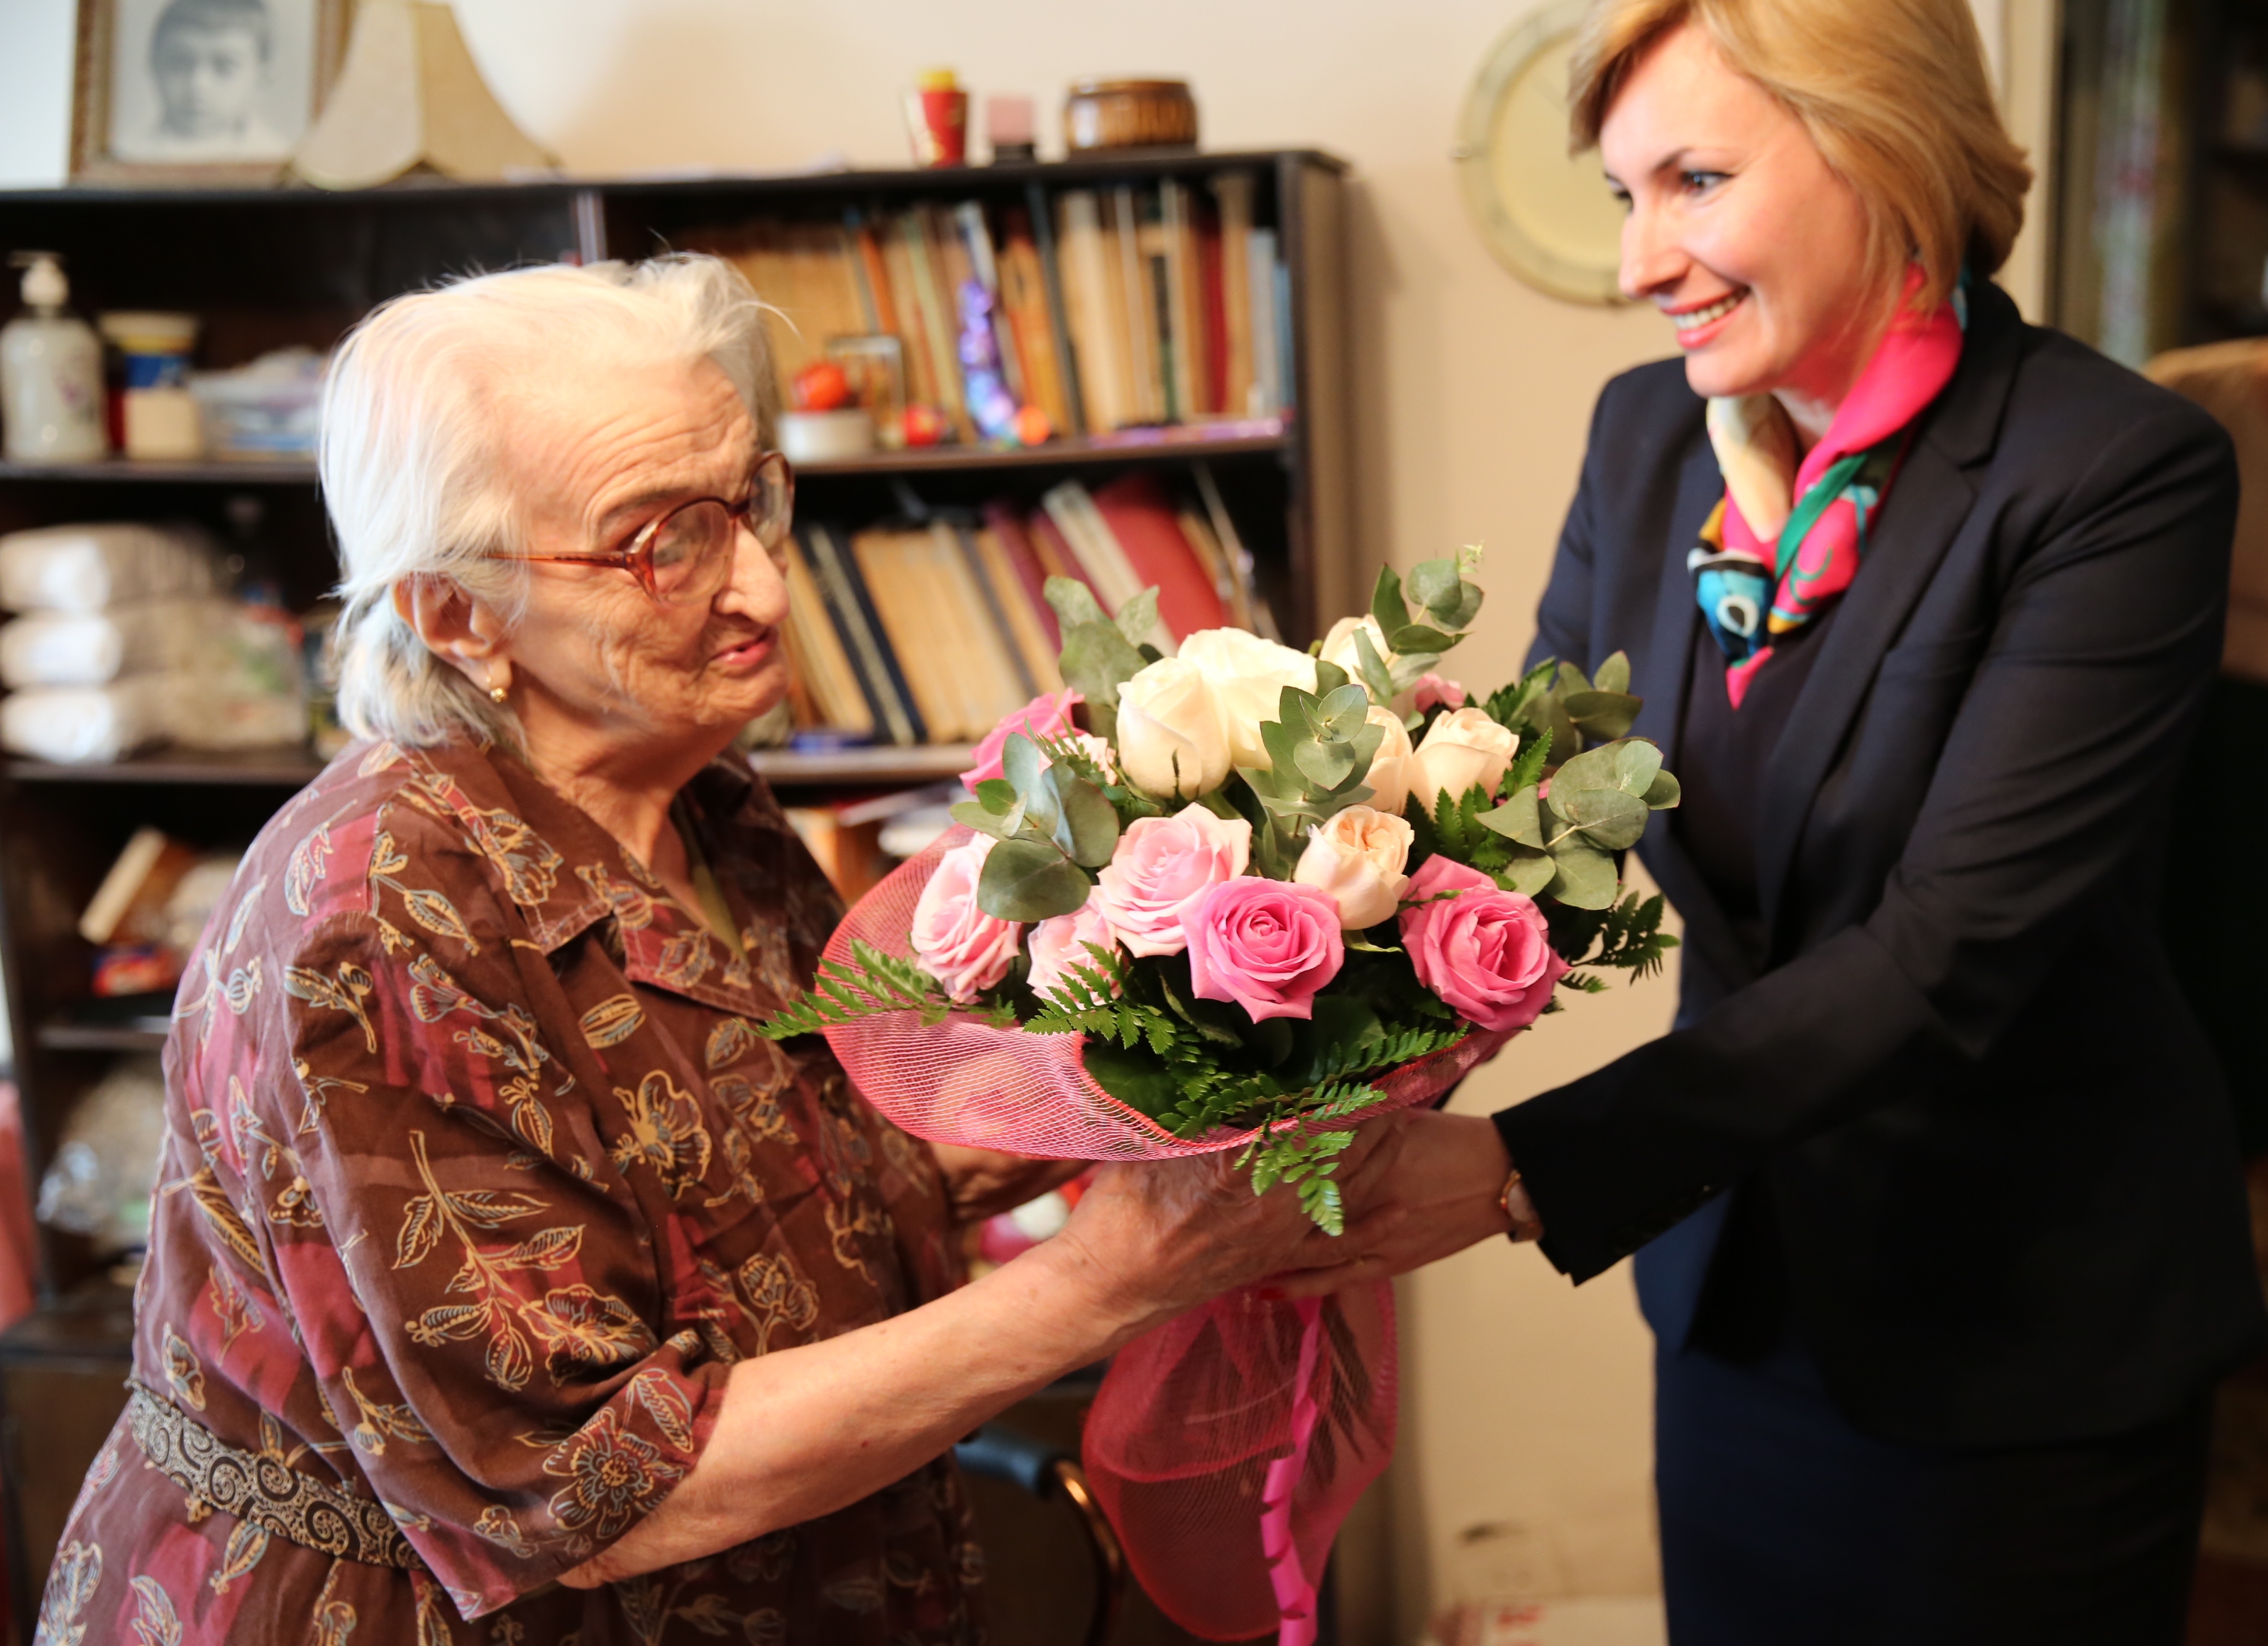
{"x":265,"y":1491}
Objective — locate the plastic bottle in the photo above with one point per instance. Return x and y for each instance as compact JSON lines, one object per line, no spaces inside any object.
{"x":50,"y":373}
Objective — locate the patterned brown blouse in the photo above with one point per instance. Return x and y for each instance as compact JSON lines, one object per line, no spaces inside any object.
{"x":476,"y":1180}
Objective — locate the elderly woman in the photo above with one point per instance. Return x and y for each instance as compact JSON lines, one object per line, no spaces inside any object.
{"x":1933,"y":1186}
{"x":505,"y":1285}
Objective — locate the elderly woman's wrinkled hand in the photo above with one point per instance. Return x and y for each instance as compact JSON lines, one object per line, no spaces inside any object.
{"x":1162,"y":1237}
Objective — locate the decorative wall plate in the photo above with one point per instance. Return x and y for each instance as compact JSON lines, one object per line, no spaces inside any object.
{"x":1546,"y":215}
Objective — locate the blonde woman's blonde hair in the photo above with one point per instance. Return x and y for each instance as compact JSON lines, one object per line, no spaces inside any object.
{"x":1893,"y":92}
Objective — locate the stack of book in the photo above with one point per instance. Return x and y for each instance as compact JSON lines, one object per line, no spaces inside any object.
{"x":931,"y":631}
{"x":1130,"y":305}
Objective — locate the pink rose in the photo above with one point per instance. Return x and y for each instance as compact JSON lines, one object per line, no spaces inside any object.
{"x":1042,"y":717}
{"x":1485,"y":951}
{"x":1433,"y":692}
{"x":957,"y":943}
{"x":1060,"y":944}
{"x":1162,"y":866}
{"x":1266,"y":945}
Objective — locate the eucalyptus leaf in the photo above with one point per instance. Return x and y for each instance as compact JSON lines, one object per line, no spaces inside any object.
{"x":1420,"y":637}
{"x":1602,"y":716}
{"x":1570,"y":678}
{"x":1074,"y":603}
{"x":1325,"y":765}
{"x":1517,"y":819}
{"x":1030,"y":880}
{"x":1097,"y":660}
{"x":1593,"y":768}
{"x":996,"y":794}
{"x":1586,"y":876}
{"x":1386,"y":602}
{"x":1613,"y":674}
{"x":1138,"y":617}
{"x":1278,"y":738}
{"x":1023,"y":766}
{"x":1433,"y":585}
{"x":1328,"y":677}
{"x":1608,"y":817}
{"x":1086,"y":827}
{"x":1344,"y":712}
{"x":1663,"y":793}
{"x":1635,"y":764}
{"x":985,"y":822}
{"x":1528,"y":873}
{"x":1371,"y":668}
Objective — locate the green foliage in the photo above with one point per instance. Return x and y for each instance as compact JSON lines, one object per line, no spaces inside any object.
{"x":1099,"y":656}
{"x":1624,"y":937}
{"x":1599,"y":806}
{"x":873,"y":983}
{"x":1320,"y":748}
{"x":1053,"y":825}
{"x":1556,"y":704}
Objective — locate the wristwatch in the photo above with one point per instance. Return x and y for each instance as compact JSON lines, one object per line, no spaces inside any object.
{"x":1526,"y":1225}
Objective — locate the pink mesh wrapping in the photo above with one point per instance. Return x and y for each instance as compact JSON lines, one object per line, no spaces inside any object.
{"x":1228,"y":1444}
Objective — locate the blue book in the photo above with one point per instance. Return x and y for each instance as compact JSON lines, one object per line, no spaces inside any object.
{"x":852,"y":612}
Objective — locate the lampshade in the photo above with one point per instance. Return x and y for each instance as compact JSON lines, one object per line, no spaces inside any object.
{"x":409,"y":97}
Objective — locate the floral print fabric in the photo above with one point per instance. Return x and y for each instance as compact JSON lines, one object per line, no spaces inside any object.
{"x":476,"y":1182}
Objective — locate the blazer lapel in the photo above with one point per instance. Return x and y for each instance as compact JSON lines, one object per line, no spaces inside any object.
{"x":1658,"y":677}
{"x":1920,"y":517}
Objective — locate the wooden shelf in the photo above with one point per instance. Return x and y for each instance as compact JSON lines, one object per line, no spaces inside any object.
{"x":276,"y":769}
{"x":290,"y":768}
{"x":99,"y":1037}
{"x":1264,"y":436}
{"x":929,"y":764}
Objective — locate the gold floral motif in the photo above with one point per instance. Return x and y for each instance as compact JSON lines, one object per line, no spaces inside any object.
{"x":612,"y":1021}
{"x":665,"y":1133}
{"x":528,"y":863}
{"x":381,"y":1420}
{"x":155,"y":1623}
{"x":777,"y":1295}
{"x":757,"y":1111}
{"x":185,"y":1374}
{"x":496,"y":1524}
{"x":429,"y":910}
{"x":334,"y":1620}
{"x":730,"y":1041}
{"x":614,"y":1477}
{"x":310,"y":862}
{"x":246,"y":1543}
{"x":71,"y":1583}
{"x":232,"y":1307}
{"x":684,"y":960}
{"x":579,"y":1328}
{"x":345,"y":993}
{"x":633,"y":908}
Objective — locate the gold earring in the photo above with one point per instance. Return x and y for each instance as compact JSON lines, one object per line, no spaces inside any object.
{"x":499,"y":694}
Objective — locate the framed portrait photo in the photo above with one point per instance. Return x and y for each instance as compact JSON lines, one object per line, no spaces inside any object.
{"x":190,"y":91}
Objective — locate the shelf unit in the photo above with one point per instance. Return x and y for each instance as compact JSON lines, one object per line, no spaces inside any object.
{"x":264,"y":268}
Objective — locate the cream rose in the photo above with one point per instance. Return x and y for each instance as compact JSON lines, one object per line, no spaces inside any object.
{"x":1170,"y":740}
{"x":1394,"y":768}
{"x":1339,"y":648}
{"x":1359,"y":857}
{"x":1461,"y":749}
{"x":1248,"y":676}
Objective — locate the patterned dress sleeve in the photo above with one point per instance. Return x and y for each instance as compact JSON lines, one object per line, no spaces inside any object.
{"x":480,"y":1289}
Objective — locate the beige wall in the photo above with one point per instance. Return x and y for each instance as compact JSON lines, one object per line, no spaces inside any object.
{"x":1527,"y":1399}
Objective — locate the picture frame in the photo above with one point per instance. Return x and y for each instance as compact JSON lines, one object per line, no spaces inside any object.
{"x":213,"y":93}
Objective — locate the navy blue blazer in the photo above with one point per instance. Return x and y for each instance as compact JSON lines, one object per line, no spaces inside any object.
{"x":1997,"y":1147}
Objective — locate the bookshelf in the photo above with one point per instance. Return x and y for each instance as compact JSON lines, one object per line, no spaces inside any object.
{"x":265,"y":268}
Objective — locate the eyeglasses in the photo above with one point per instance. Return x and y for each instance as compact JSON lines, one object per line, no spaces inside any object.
{"x":685,"y":556}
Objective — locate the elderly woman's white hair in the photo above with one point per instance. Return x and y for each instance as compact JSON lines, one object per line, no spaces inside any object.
{"x":410,"y":467}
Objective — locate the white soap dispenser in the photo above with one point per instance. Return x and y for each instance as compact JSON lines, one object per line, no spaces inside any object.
{"x":51,"y":372}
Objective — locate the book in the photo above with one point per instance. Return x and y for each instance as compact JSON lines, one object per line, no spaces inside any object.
{"x":1110,"y":571}
{"x":1024,"y":303}
{"x":1267,"y":369}
{"x":1043,"y":241}
{"x":1007,"y":644}
{"x":130,"y":906}
{"x":822,"y":666}
{"x":1022,"y":608}
{"x":1054,"y":553}
{"x":855,"y":622}
{"x":939,"y":325}
{"x":1007,"y":525}
{"x":1232,"y":193}
{"x":980,"y":652}
{"x":1146,"y":528}
{"x":1134,"y":309}
{"x":1184,"y":306}
{"x":1104,"y":363}
{"x":913,"y":330}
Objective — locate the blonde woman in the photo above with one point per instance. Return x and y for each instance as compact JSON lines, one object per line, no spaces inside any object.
{"x":1933,"y":1187}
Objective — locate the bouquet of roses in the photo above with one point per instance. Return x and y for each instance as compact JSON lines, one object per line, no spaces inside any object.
{"x":1245,"y":896}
